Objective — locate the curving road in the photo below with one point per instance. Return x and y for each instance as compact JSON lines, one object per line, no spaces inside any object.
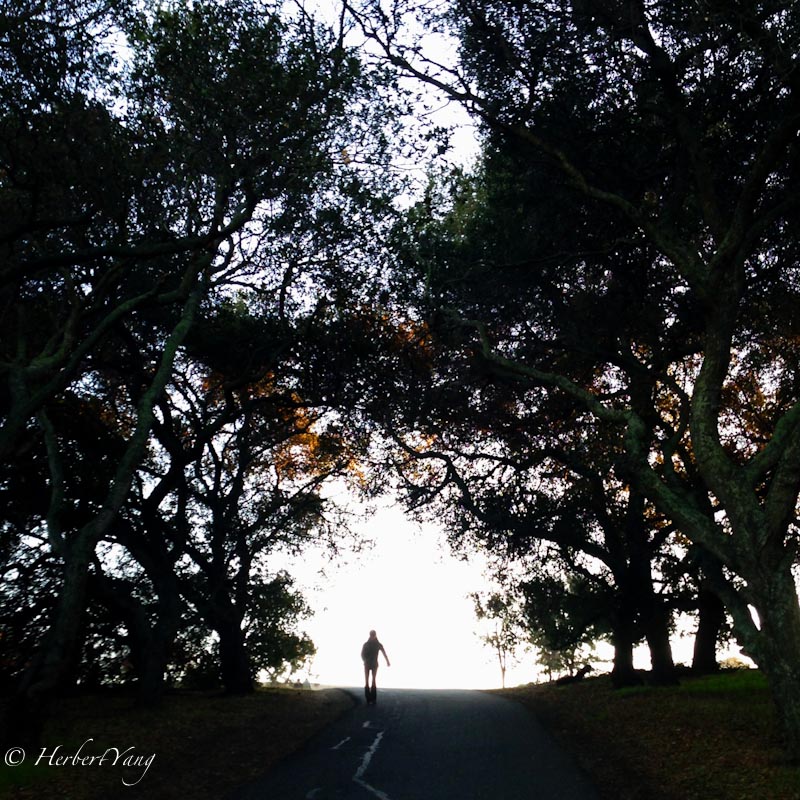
{"x":428,"y":745}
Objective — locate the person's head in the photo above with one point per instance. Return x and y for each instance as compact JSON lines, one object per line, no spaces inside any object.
{"x":373,"y":635}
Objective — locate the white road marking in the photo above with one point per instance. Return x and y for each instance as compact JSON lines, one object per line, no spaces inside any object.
{"x":368,"y":756}
{"x":371,"y":789}
{"x":366,"y":724}
{"x":337,"y":746}
{"x":313,"y":793}
{"x":359,"y":776}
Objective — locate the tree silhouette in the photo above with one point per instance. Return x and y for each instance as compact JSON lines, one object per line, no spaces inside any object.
{"x":152,"y":159}
{"x":647,"y":181}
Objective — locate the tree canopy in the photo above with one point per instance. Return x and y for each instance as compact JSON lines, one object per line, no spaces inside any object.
{"x":159,"y":165}
{"x":214,"y":293}
{"x":617,"y":247}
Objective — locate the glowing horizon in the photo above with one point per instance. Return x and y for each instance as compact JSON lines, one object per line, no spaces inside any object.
{"x":414,"y":593}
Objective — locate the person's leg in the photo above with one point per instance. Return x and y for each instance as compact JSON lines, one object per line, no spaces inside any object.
{"x":374,"y":689}
{"x":367,"y":694}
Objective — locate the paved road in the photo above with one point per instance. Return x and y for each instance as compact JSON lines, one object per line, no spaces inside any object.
{"x":428,"y":745}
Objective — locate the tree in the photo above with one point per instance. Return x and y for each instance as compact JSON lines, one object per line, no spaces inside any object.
{"x":254,"y":489}
{"x":651,"y":153}
{"x":147,"y":153}
{"x":272,"y":638}
{"x":544,"y":498}
{"x":505,"y":477}
{"x":499,"y":610}
{"x":561,"y":616}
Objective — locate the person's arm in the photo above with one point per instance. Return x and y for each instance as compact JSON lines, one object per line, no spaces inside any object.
{"x":383,"y":650}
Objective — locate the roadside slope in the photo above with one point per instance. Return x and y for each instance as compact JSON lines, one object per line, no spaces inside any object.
{"x":711,"y":738}
{"x":205,"y":744}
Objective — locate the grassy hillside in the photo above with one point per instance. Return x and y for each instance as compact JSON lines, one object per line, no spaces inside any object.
{"x":711,"y":738}
{"x":204,"y":744}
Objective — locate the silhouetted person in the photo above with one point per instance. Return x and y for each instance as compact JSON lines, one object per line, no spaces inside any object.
{"x":369,"y":655}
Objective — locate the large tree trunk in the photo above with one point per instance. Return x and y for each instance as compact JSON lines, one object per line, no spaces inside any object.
{"x":783,"y":675}
{"x":235,"y":666}
{"x":711,"y":613}
{"x":653,"y":613}
{"x":653,"y":620}
{"x":773,"y":640}
{"x":623,"y":673}
{"x":151,"y":665}
{"x":657,"y":633}
{"x":55,"y":661}
{"x":150,"y":640}
{"x":222,"y":615}
{"x":151,"y":645}
{"x":623,"y":638}
{"x":777,"y":651}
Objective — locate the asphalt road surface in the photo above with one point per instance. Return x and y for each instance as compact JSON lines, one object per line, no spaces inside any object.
{"x":428,"y":745}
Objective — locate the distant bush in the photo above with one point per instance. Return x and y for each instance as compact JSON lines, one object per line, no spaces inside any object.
{"x":734,"y":663}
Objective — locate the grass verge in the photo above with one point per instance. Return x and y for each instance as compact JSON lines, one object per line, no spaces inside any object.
{"x":205,"y":745}
{"x":711,"y":738}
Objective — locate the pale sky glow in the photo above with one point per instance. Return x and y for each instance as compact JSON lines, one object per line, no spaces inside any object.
{"x":415,"y":594}
{"x":410,"y":588}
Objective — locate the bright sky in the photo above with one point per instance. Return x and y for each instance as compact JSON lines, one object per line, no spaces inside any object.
{"x":410,"y":588}
{"x":414,"y":593}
